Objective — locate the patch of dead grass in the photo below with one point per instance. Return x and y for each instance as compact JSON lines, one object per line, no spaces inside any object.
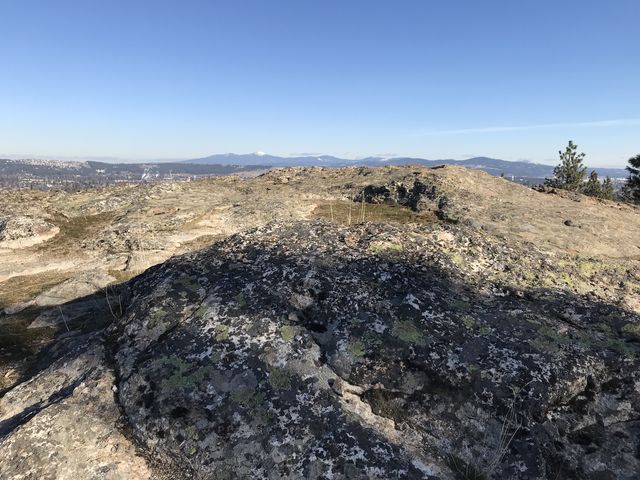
{"x":23,"y":288}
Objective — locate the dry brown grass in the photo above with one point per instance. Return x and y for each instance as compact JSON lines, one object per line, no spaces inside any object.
{"x":24,"y":288}
{"x":74,"y":230}
{"x":200,"y":242}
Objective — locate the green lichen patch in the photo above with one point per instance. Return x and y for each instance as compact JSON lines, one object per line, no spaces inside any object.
{"x":288,"y":332}
{"x":568,"y":279}
{"x":407,"y":331}
{"x":372,"y":340}
{"x":156,"y":318}
{"x":485,"y":330}
{"x":587,"y":268}
{"x":280,"y":378}
{"x":349,"y":213}
{"x":380,"y":246}
{"x":188,"y":283}
{"x":632,"y":329}
{"x":529,"y":278}
{"x":468,"y":321}
{"x":602,"y":327}
{"x":221,"y":333}
{"x":457,"y":259}
{"x":184,"y":374}
{"x":356,"y":348}
{"x":549,"y":340}
{"x":248,"y":397}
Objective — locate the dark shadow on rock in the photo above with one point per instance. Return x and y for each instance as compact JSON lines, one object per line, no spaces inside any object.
{"x":32,"y":339}
{"x":9,"y":425}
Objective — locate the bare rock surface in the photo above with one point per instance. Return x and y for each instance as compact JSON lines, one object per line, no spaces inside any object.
{"x":22,"y":231}
{"x":64,"y":424}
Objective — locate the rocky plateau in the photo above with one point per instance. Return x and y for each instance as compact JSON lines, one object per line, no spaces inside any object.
{"x":315,"y":323}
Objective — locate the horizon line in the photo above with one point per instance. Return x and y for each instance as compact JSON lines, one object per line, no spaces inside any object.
{"x":125,"y":160}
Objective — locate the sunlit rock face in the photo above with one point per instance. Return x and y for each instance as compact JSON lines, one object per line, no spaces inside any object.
{"x":312,"y":350}
{"x":18,"y":231}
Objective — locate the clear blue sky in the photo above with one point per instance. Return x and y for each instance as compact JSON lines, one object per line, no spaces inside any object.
{"x":510,"y":79}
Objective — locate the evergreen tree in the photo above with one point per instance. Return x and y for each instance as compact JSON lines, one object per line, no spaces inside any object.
{"x":633,"y":182}
{"x":607,"y":189}
{"x":592,"y":187}
{"x":570,"y":174}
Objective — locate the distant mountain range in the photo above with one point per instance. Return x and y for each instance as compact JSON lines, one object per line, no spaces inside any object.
{"x":71,"y":175}
{"x":492,"y":166}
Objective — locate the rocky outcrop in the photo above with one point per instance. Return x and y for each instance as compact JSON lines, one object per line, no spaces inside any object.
{"x":21,"y":231}
{"x":420,"y":196}
{"x":313,"y":351}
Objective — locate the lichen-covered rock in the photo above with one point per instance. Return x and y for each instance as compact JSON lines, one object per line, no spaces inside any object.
{"x":418,"y":195}
{"x":309,"y":350}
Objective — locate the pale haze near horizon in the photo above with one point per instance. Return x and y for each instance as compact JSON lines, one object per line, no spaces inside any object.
{"x":176,"y":80}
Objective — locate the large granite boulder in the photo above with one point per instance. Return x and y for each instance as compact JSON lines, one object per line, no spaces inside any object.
{"x":310,"y":350}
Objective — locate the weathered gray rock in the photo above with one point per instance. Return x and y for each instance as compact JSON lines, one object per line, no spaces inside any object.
{"x":80,"y":286}
{"x":64,"y":425}
{"x":306,"y":350}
